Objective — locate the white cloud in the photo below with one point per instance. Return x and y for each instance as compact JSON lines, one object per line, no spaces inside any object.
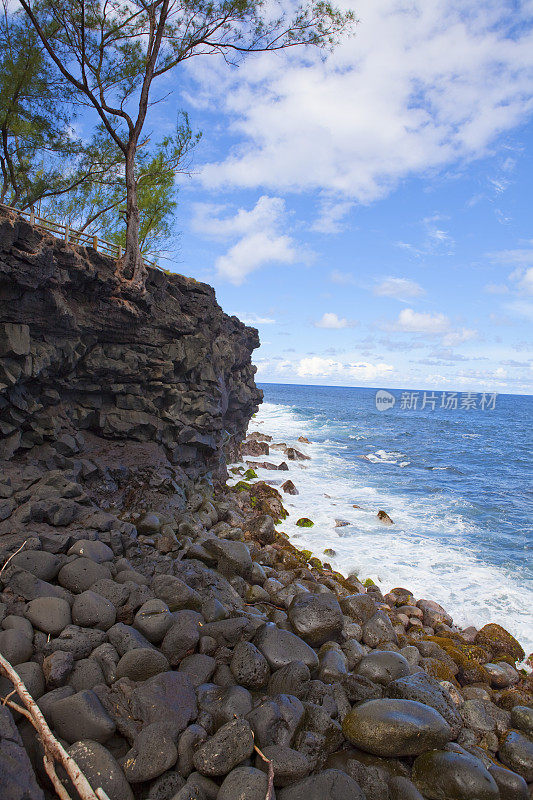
{"x":411,"y":321}
{"x":521,"y":256}
{"x":318,"y":367}
{"x":524,"y":280}
{"x":496,"y":288}
{"x":521,"y":308}
{"x":458,"y":337}
{"x":422,"y":85}
{"x":254,"y":319}
{"x":399,"y":288}
{"x":331,"y":320}
{"x":342,"y":278}
{"x":259,"y":234}
{"x":332,"y":214}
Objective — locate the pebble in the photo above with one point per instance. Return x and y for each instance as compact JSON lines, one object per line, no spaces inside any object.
{"x":281,"y":647}
{"x":141,"y":664}
{"x":516,"y":752}
{"x":249,"y":666}
{"x":91,"y":610}
{"x":383,"y":666}
{"x":49,"y":614}
{"x":153,"y":753}
{"x":39,"y":563}
{"x":395,"y":728}
{"x":244,"y":783}
{"x":316,"y":618}
{"x":57,"y":668}
{"x":95,"y":550}
{"x":82,"y":716}
{"x":15,"y":646}
{"x":231,"y":744}
{"x":522,"y":718}
{"x":153,"y":620}
{"x":81,"y":574}
{"x":181,"y":639}
{"x":289,"y":765}
{"x":100,"y":769}
{"x":440,"y":774}
{"x":332,"y":784}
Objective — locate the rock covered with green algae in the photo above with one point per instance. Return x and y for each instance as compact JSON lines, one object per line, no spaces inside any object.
{"x":305,"y":522}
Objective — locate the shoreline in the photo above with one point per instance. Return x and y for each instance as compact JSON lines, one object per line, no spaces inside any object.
{"x":474,"y":601}
{"x":169,"y":641}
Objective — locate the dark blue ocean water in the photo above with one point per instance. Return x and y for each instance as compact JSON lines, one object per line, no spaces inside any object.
{"x":457,"y":481}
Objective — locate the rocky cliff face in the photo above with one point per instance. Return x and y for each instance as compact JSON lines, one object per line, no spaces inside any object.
{"x":76,"y":355}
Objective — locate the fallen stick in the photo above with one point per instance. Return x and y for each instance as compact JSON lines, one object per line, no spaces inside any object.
{"x":13,"y":556}
{"x":270,"y":786}
{"x":53,"y":750}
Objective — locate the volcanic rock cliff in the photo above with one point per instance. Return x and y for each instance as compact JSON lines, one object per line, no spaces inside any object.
{"x":77,"y":355}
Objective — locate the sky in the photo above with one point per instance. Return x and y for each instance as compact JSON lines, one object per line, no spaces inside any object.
{"x":371,"y":212}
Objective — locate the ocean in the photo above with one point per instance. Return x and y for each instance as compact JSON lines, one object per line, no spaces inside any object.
{"x":456,"y":481}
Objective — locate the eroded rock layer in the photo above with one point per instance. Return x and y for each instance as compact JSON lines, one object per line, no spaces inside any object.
{"x":77,"y":355}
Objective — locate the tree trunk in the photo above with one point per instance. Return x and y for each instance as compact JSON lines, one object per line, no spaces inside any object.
{"x":131,"y":267}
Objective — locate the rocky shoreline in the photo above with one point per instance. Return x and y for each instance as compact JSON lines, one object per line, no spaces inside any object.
{"x":163,"y":647}
{"x":178,"y":645}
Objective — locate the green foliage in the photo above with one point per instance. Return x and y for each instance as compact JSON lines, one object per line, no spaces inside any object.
{"x":35,"y":138}
{"x":112,"y":52}
{"x":98,"y":205}
{"x":305,"y":522}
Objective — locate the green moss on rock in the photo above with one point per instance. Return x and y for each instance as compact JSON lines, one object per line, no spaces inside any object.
{"x":499,"y":642}
{"x":242,"y":486}
{"x":305,"y":522}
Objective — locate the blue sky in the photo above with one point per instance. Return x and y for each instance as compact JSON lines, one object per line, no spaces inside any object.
{"x":371,"y":213}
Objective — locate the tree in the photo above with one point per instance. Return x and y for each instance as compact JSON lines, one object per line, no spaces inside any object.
{"x":97,"y":205}
{"x":34,"y":135}
{"x":112,"y":51}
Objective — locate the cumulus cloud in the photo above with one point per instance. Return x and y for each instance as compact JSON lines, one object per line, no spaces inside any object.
{"x":458,"y":337}
{"x":258,"y":236}
{"x":332,"y":216}
{"x":400,"y":288}
{"x":319,"y":367}
{"x":411,"y":321}
{"x":332,"y":321}
{"x":420,"y":86}
{"x":254,"y":319}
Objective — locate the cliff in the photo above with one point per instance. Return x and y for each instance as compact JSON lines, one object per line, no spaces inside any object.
{"x":77,"y":355}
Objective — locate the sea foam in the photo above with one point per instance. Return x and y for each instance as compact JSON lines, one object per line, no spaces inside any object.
{"x":422,"y":551}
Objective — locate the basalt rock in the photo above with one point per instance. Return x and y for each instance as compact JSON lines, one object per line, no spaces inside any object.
{"x":168,"y":367}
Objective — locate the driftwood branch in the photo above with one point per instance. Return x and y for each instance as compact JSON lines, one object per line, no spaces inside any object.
{"x":13,"y":556}
{"x":53,"y":750}
{"x":270,"y":786}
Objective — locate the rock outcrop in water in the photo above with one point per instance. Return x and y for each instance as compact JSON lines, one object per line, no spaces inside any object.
{"x":76,"y":355}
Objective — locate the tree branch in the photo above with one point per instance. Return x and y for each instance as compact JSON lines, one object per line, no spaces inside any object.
{"x":53,"y":750}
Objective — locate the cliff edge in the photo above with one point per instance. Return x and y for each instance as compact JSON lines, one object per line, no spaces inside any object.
{"x":77,"y":355}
